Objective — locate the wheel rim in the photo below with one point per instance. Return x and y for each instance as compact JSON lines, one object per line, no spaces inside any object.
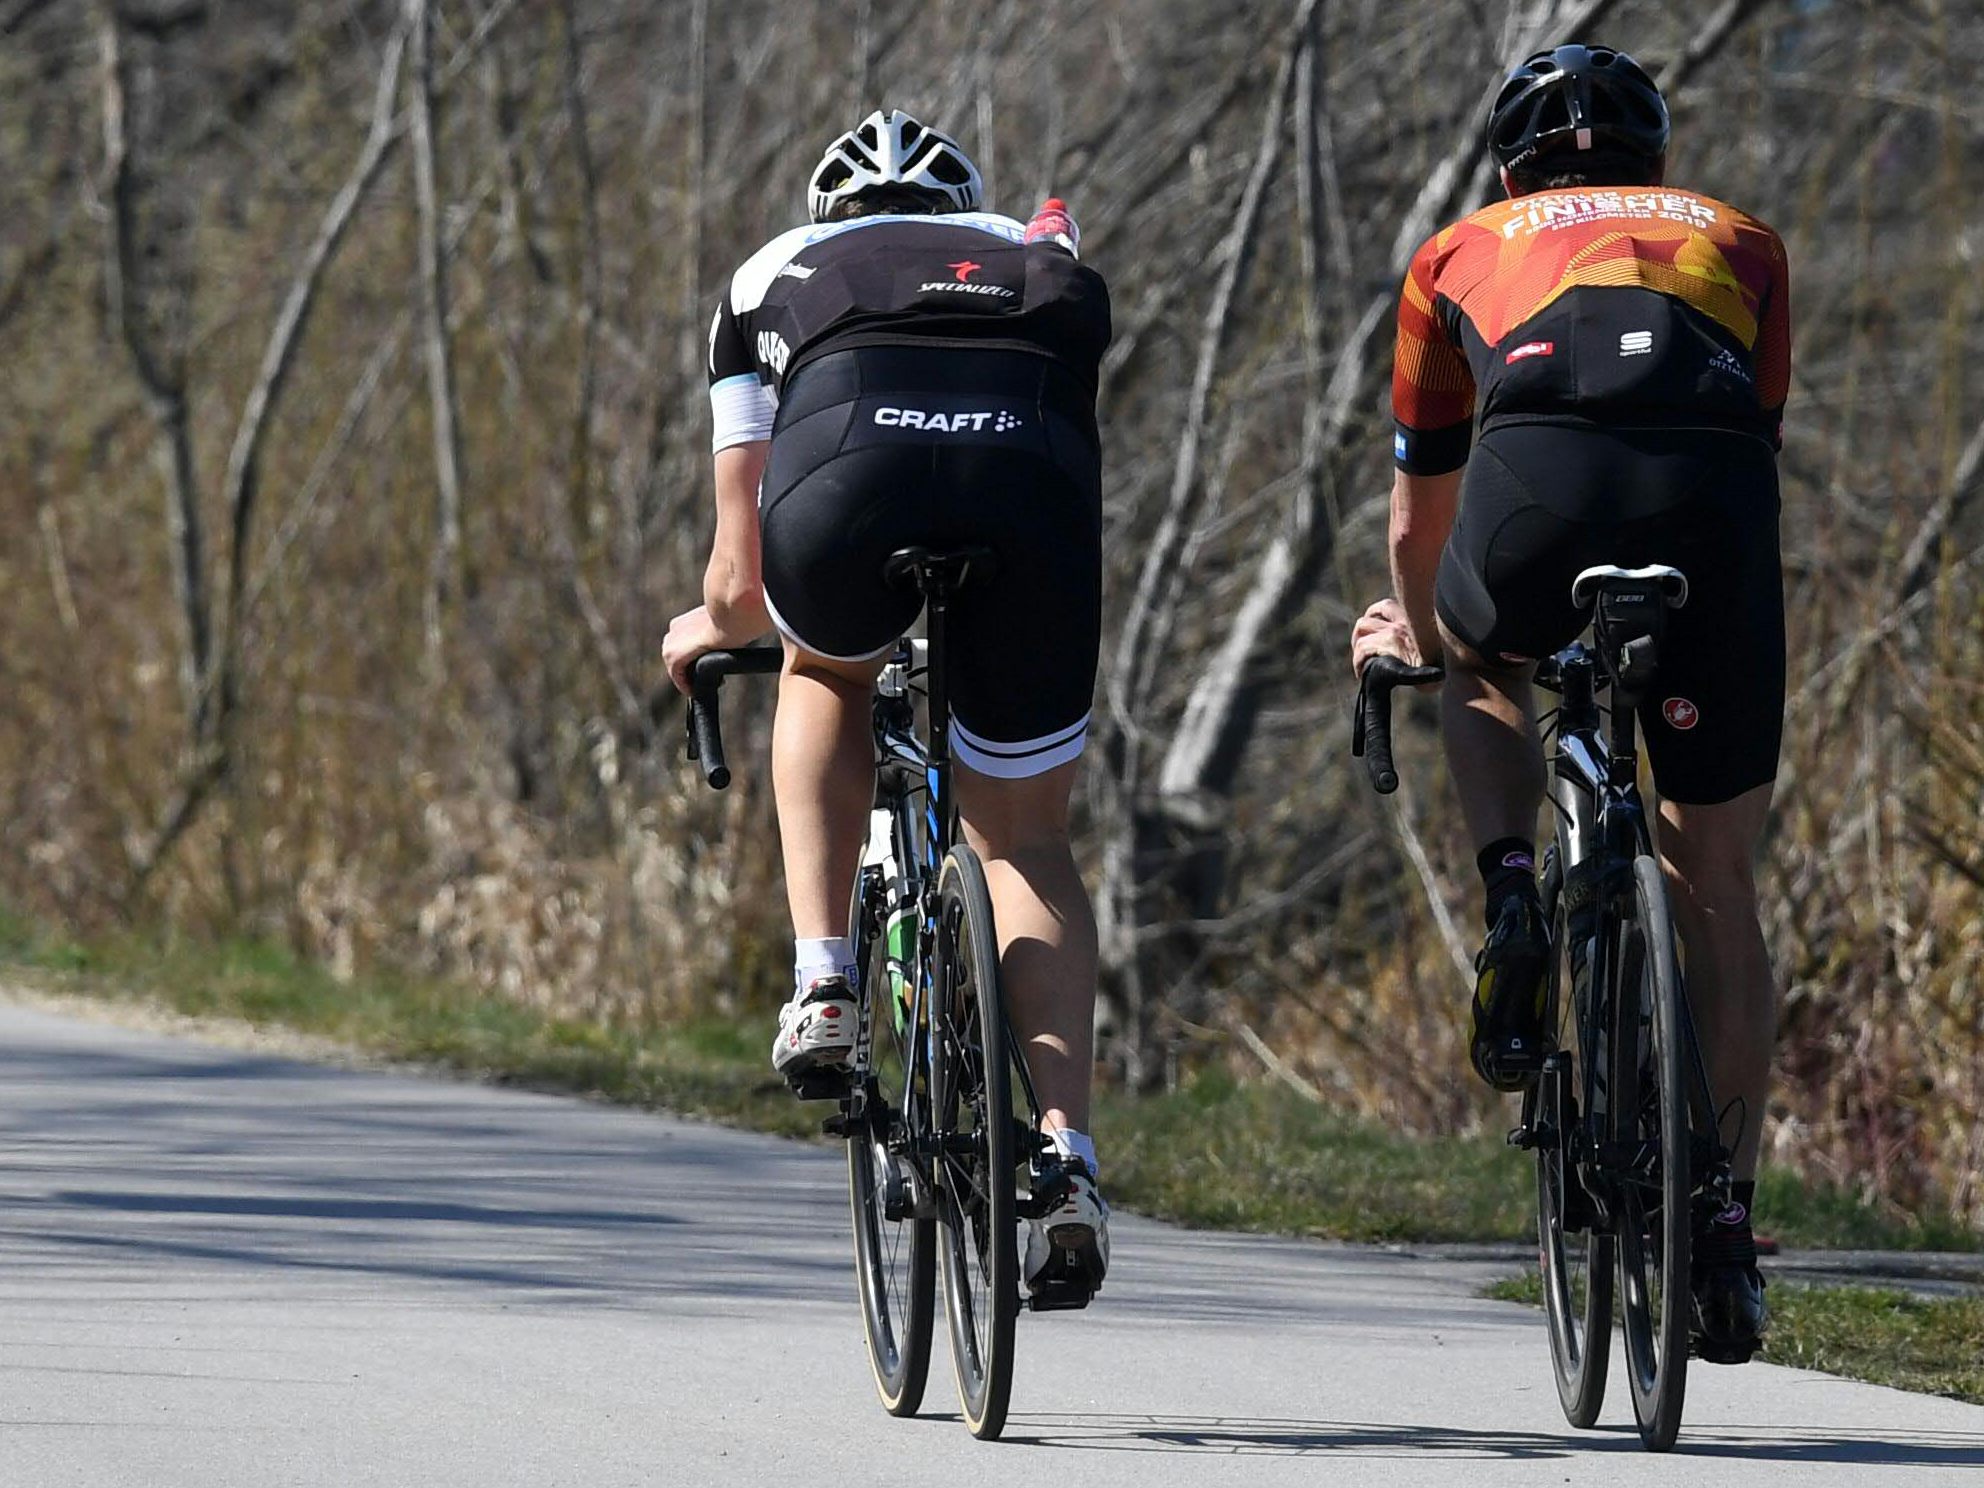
{"x":968,"y":1201}
{"x":888,"y":1253}
{"x":1654,"y":1208}
{"x":1576,"y":1266}
{"x":974,"y":1120}
{"x":893,"y":1258}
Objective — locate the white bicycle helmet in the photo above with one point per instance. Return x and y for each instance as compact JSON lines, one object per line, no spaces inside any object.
{"x":889,"y":148}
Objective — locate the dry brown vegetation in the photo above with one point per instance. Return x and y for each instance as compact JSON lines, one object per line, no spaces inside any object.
{"x":353,"y":455}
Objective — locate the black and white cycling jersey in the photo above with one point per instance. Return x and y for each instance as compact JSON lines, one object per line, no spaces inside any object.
{"x":963,"y":279}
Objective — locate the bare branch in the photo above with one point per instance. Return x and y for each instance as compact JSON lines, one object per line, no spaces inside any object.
{"x":441,"y":579}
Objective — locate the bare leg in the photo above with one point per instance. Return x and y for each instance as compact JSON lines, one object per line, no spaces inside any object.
{"x":1709,"y":853}
{"x":1047,"y":940}
{"x":823,"y":777}
{"x":1494,"y":753}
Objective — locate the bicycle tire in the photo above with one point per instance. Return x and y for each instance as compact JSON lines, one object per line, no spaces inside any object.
{"x":977,"y":1191}
{"x":1576,"y":1266}
{"x":895,"y":1260}
{"x":1654,"y":1246}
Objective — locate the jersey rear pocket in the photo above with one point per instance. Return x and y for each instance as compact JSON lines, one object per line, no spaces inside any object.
{"x":1622,"y":353}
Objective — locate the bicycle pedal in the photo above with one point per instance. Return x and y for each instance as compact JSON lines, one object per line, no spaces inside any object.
{"x":1060,"y":1295}
{"x":821,"y":1084}
{"x":1044,"y":1200}
{"x":1533,"y":1138}
{"x":1723,"y":1353}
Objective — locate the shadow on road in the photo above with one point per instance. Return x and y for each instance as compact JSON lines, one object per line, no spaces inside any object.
{"x":354,"y":1208}
{"x":1246,"y":1437}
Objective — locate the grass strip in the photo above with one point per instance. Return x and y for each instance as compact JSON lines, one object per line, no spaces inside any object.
{"x":1933,"y":1345}
{"x":1216,"y":1152}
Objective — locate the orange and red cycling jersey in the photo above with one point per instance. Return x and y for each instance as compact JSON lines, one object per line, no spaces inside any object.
{"x":1614,"y":307}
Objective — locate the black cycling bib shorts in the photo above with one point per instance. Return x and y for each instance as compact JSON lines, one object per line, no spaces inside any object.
{"x":1542,"y":502}
{"x":885,"y":447}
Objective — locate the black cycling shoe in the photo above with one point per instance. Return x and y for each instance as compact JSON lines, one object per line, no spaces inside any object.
{"x":1730,"y":1315}
{"x":1509,"y":1043}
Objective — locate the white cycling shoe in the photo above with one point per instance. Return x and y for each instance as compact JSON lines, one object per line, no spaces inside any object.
{"x":816,"y":1030}
{"x":1067,"y":1251}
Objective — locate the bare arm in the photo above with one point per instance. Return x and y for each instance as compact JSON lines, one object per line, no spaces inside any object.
{"x":1423,"y":509}
{"x":733,"y":608}
{"x":733,"y":584}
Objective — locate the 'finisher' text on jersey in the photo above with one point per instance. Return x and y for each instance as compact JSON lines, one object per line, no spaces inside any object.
{"x":1625,"y":307}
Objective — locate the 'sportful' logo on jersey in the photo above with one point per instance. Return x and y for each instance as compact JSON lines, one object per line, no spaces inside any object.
{"x":773,"y":351}
{"x":1636,"y":343}
{"x":974,"y":421}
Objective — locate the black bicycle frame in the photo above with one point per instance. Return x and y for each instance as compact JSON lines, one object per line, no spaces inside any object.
{"x":907,"y":765}
{"x":1594,"y":787}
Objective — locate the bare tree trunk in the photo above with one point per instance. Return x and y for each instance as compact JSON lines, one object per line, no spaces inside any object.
{"x":446,"y":561}
{"x":696,"y":163}
{"x":1135,"y":837}
{"x":580,"y":465}
{"x":161,"y":374}
{"x":241,"y":483}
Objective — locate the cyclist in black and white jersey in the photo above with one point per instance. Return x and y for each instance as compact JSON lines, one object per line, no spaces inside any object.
{"x":911,"y":370}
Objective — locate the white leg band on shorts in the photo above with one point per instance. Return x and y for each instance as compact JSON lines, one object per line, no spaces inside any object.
{"x":1018,"y":761}
{"x":778,"y":623}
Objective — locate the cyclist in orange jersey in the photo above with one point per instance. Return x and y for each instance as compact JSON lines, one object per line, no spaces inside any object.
{"x":1594,"y":371}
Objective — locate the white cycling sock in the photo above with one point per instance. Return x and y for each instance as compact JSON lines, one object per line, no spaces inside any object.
{"x":827,"y":956}
{"x":1071,"y":1143}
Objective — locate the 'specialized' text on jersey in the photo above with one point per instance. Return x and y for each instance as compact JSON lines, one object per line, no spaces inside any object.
{"x":966,"y":279}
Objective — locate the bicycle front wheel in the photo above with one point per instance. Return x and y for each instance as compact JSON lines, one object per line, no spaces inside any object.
{"x":895,"y":1233}
{"x":976,"y":1190}
{"x":1652,"y":1127}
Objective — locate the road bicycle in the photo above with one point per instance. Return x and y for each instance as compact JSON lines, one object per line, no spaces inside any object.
{"x":944,"y":1154}
{"x":1625,"y":1131}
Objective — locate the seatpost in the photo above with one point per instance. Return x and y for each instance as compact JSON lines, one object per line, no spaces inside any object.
{"x":1580,"y":709}
{"x":937,"y":597}
{"x":1624,"y":737}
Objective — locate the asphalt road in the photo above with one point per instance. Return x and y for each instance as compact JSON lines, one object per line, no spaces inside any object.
{"x":222,"y":1268}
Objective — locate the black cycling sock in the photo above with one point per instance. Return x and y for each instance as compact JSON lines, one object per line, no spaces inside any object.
{"x":1729,"y":1240}
{"x":1508,"y":866}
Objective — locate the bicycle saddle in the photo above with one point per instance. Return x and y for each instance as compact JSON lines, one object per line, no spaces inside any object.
{"x":1671,"y":582}
{"x":1629,"y":616}
{"x":936,"y":571}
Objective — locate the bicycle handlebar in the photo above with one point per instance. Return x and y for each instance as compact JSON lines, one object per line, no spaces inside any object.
{"x":1371,"y":726}
{"x":705,"y":724}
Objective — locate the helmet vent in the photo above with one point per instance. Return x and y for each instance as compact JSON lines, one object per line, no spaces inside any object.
{"x":1579,"y":98}
{"x":891,"y":149}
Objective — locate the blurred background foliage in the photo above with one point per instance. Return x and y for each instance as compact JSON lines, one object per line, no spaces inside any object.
{"x":353,"y":455}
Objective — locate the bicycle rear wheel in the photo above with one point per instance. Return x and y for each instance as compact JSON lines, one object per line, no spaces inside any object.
{"x":1576,"y":1251}
{"x":977,"y":1194}
{"x":1652,"y":1124}
{"x":895,"y":1235}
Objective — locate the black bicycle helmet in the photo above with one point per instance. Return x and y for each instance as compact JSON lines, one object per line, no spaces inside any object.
{"x":1577,"y":99}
